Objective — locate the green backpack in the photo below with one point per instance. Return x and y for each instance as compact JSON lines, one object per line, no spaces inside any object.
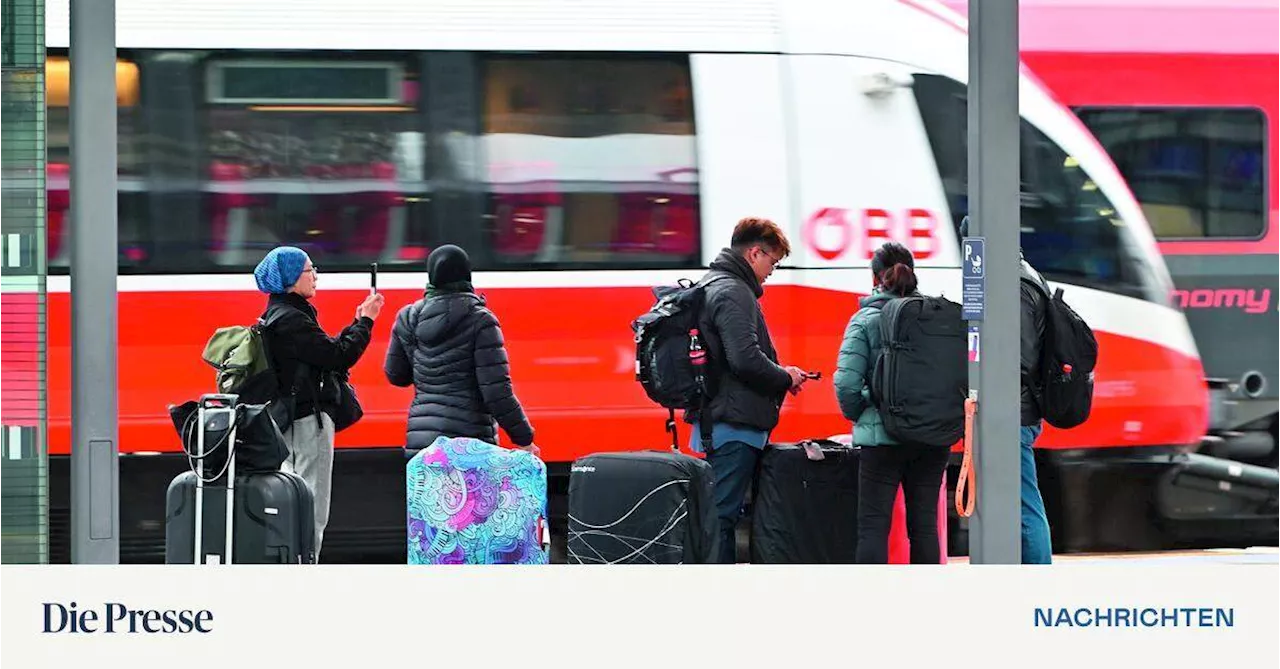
{"x":242,"y":361}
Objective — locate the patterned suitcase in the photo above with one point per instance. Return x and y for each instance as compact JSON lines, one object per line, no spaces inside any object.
{"x":471,"y":502}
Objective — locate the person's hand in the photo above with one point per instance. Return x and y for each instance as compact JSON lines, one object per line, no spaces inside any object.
{"x":531,"y":448}
{"x":797,"y":378}
{"x":371,"y":306}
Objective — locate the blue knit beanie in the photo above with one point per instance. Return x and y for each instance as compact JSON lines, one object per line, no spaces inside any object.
{"x":280,"y":269}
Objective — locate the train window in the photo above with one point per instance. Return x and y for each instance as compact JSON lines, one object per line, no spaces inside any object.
{"x":1198,"y":173}
{"x":944,"y":110}
{"x":1070,"y":231}
{"x":212,"y":177}
{"x":589,"y":161}
{"x":326,"y":156}
{"x":132,"y":140}
{"x":526,"y":160}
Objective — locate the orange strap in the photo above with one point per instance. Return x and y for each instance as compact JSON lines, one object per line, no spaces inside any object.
{"x":968,"y":477}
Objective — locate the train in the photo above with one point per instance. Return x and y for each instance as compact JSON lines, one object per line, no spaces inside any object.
{"x":1183,"y":96}
{"x":582,"y":154}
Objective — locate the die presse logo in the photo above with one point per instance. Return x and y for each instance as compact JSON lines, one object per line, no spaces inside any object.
{"x":115,"y":618}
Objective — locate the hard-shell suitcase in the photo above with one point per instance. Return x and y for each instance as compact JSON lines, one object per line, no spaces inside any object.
{"x":472,"y":502}
{"x":257,"y":518}
{"x":805,"y":511}
{"x":643,"y":507}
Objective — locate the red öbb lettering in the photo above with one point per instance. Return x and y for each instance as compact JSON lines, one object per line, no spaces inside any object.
{"x":830,"y":232}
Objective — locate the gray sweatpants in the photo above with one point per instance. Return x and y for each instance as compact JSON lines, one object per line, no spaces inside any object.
{"x":311,"y":457}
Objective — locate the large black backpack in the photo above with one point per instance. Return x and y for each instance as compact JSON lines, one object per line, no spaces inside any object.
{"x":921,"y":377}
{"x":1068,"y":354}
{"x":663,"y":366}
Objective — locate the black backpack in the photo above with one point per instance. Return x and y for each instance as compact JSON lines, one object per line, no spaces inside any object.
{"x":921,"y":377}
{"x":1068,"y":354}
{"x":663,"y":366}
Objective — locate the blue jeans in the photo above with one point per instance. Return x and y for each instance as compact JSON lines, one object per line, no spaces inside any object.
{"x":734,"y":465}
{"x":1037,"y":546}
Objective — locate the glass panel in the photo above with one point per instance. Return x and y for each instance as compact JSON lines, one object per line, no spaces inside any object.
{"x":1197,"y":172}
{"x":24,"y":474}
{"x":590,"y":161}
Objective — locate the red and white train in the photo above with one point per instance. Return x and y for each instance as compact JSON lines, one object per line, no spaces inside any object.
{"x":1183,"y":95}
{"x":582,"y":154}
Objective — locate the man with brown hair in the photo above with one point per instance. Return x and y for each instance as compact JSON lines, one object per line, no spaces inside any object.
{"x":747,"y":385}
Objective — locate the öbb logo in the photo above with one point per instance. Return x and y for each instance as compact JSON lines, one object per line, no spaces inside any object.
{"x":1249,"y":300}
{"x":831,"y":233}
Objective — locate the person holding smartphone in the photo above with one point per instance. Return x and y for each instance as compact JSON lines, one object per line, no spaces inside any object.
{"x":449,"y":347}
{"x":301,"y":354}
{"x":748,"y":384}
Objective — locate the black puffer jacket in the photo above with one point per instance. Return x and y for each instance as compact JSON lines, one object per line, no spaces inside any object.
{"x":747,"y":384}
{"x":1033,"y":307}
{"x":450,"y":348}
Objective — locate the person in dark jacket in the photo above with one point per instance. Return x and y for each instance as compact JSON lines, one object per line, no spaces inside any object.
{"x":746,"y":382}
{"x":884,"y":463}
{"x":1037,"y":546}
{"x":301,"y":352}
{"x":448,"y":345}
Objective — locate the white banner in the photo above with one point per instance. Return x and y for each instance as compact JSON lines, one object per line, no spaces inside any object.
{"x":1077,"y":615}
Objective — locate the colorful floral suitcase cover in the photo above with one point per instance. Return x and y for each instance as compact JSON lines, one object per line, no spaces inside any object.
{"x":471,"y":502}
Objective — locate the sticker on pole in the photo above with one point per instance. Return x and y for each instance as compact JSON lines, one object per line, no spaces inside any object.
{"x":974,"y":345}
{"x":973,"y":278}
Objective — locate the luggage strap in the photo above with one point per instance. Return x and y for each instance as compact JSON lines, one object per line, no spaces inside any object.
{"x":704,"y":428}
{"x":968,"y":477}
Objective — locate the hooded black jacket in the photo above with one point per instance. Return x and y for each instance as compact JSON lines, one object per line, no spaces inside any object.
{"x":747,"y":384}
{"x":450,"y":348}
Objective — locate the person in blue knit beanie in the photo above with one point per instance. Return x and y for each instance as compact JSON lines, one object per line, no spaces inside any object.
{"x":303,"y":356}
{"x":281,"y":269}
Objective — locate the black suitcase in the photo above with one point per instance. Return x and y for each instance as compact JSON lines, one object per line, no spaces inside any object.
{"x":805,"y":511}
{"x":268,"y":517}
{"x":644,"y":507}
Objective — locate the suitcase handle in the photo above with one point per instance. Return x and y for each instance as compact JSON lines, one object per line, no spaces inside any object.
{"x":219,"y":401}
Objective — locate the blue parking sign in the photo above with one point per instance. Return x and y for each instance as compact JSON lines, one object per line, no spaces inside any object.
{"x":973,"y":278}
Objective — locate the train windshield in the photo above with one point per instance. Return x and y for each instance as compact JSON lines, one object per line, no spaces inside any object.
{"x":1070,"y":230}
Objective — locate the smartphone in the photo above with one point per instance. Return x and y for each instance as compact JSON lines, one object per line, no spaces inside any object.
{"x":813,"y":375}
{"x":373,"y":278}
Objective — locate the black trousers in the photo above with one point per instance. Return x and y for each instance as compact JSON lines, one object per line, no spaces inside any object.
{"x":919,"y":470}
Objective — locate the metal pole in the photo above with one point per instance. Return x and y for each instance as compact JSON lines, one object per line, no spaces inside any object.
{"x":995,"y":535}
{"x":95,"y":476}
